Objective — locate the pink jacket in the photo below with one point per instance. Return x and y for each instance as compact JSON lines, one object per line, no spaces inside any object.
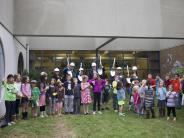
{"x":26,"y":90}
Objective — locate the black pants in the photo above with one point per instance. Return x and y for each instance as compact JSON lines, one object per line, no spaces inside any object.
{"x":42,"y":108}
{"x":115,"y":102}
{"x":17,"y":104}
{"x":77,"y":105}
{"x":97,"y":98}
{"x":148,"y":110}
{"x":169,"y":109}
{"x":10,"y":110}
{"x":161,"y":105}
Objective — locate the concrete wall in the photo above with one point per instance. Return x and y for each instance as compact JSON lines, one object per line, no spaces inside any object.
{"x":172,"y":12}
{"x":11,"y":47}
{"x":88,"y":17}
{"x":170,"y":59}
{"x":6,"y":13}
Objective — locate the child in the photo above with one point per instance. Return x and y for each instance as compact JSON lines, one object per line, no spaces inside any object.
{"x":43,"y":89}
{"x":115,"y":101}
{"x":136,"y":99}
{"x":26,"y":95}
{"x":161,"y":99}
{"x":98,"y":85}
{"x":18,"y":84}
{"x":142,"y":90}
{"x":77,"y":96}
{"x":35,"y":97}
{"x":60,"y":97}
{"x":85,"y":94}
{"x":120,"y":97}
{"x":68,"y":107}
{"x":10,"y":99}
{"x":171,"y":103}
{"x":106,"y":93}
{"x":52,"y":96}
{"x":149,"y":98}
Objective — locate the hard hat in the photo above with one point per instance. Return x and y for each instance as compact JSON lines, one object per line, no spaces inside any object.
{"x":33,"y":81}
{"x":43,"y":73}
{"x":81,"y":69}
{"x":93,"y":64}
{"x":72,"y":64}
{"x":56,"y":70}
{"x":119,"y":68}
{"x":134,"y":68}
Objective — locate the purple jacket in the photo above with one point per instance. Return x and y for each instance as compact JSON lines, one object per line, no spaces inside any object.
{"x":97,"y":85}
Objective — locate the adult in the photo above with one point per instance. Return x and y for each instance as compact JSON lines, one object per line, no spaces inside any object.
{"x":70,"y":69}
{"x":177,"y":88}
{"x":119,"y":75}
{"x":93,"y":71}
{"x":80,"y":73}
{"x":152,"y":81}
{"x":56,"y":75}
{"x":167,"y":81}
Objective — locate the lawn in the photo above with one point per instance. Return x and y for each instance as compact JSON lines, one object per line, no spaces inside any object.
{"x":109,"y":124}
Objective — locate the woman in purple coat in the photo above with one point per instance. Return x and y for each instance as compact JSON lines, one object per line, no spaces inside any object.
{"x":98,"y":85}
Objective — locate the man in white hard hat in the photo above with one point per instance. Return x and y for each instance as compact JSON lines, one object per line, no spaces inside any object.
{"x":70,"y":70}
{"x":93,"y":71}
{"x":56,"y":75}
{"x":119,"y":74}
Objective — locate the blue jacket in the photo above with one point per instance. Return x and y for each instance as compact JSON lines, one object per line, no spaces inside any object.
{"x":121,"y":94}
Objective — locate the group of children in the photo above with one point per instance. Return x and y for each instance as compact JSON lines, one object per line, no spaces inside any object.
{"x":72,"y":93}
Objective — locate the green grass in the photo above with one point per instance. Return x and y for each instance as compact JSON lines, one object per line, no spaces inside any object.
{"x":111,"y":125}
{"x":107,"y":125}
{"x":31,"y":128}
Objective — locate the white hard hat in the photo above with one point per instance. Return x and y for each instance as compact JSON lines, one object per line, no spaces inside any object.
{"x":93,"y":64}
{"x":33,"y":81}
{"x":119,"y":68}
{"x":56,"y":70}
{"x":43,"y":73}
{"x":72,"y":64}
{"x":134,"y":68}
{"x":81,"y":69}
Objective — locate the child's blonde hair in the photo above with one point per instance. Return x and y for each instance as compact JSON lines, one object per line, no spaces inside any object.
{"x":84,"y":77}
{"x":135,"y":88}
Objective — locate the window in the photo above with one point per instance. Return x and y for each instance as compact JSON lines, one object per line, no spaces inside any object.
{"x":20,"y":64}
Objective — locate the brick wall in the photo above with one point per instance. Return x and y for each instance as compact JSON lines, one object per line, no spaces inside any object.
{"x":170,"y":59}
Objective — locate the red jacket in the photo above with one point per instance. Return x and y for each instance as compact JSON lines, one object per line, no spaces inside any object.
{"x":176,"y":85}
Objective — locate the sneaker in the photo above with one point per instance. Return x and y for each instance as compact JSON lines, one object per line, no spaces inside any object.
{"x":45,"y":114}
{"x":168,"y":118}
{"x":94,"y":113}
{"x":120,"y":114}
{"x":115,"y":111}
{"x":123,"y":114}
{"x":174,"y":119}
{"x":13,"y":123}
{"x":100,"y":112}
{"x":9,"y":124}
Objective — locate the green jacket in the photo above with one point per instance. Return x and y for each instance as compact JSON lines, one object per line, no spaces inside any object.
{"x":10,"y":92}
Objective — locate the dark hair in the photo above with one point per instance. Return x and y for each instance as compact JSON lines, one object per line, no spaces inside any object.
{"x":10,"y":76}
{"x":177,"y":74}
{"x":119,"y":85}
{"x":42,"y":78}
{"x":148,"y":84}
{"x":16,"y":76}
{"x":24,"y":79}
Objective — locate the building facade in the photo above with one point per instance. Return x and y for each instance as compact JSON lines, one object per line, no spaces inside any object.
{"x":37,"y":33}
